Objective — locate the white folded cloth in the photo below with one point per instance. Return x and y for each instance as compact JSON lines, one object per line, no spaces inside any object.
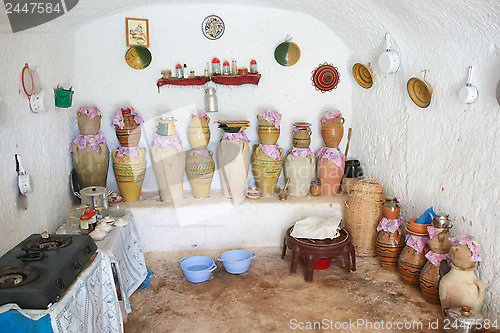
{"x":316,"y":228}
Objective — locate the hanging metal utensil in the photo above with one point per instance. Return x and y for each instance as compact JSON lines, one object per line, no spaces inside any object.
{"x":24,"y":184}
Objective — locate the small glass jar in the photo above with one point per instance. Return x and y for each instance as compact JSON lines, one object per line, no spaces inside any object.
{"x":243,"y":71}
{"x":253,"y":67}
{"x":226,"y":70}
{"x":191,"y":75}
{"x":216,"y":69}
{"x":93,"y":218}
{"x":117,"y":208}
{"x":179,"y":72}
{"x":85,"y":224}
{"x":234,"y":68}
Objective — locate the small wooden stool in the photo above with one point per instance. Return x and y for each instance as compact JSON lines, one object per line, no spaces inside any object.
{"x":319,"y":249}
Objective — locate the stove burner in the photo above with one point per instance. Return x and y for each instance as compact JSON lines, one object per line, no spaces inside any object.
{"x":15,"y":276}
{"x":32,"y":256}
{"x":47,"y":244}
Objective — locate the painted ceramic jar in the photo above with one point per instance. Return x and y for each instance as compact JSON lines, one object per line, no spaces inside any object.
{"x":269,"y":127}
{"x":199,"y":132}
{"x":89,"y":120}
{"x":390,"y":243}
{"x":412,"y":259}
{"x":91,"y":160}
{"x":233,"y":160}
{"x":330,"y":166}
{"x":299,"y":168}
{"x":301,"y":135}
{"x":200,"y":169}
{"x":461,"y":286}
{"x":332,"y":128}
{"x":169,"y":162}
{"x":128,"y":131}
{"x":129,"y":166}
{"x":266,"y":168}
{"x":391,"y":208}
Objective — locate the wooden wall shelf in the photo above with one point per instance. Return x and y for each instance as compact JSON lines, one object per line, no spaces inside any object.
{"x":228,"y":80}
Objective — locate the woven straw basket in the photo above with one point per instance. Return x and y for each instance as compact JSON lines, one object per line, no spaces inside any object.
{"x":363,"y":213}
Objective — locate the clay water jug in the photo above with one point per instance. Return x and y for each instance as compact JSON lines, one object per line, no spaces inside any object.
{"x":390,"y":243}
{"x":330,"y":173}
{"x":391,"y":208}
{"x":269,"y":127}
{"x":91,"y":165}
{"x":233,"y":160}
{"x":89,"y":120}
{"x":200,"y":169}
{"x":266,"y":170}
{"x":301,"y":135}
{"x":129,"y":167}
{"x":299,"y":168}
{"x":128,"y":131}
{"x":412,"y":260}
{"x":169,"y":161}
{"x":332,"y":131}
{"x":198,"y":131}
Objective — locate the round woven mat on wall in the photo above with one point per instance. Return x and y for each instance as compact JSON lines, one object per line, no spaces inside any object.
{"x":363,"y":213}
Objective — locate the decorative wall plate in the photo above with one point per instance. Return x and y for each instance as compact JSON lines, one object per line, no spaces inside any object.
{"x":213,"y":27}
{"x":138,"y":57}
{"x":325,"y":77}
{"x":420,"y":92}
{"x":363,"y":75}
{"x":287,"y":53}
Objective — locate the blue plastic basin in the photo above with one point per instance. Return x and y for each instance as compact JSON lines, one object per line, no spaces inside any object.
{"x":197,"y":269}
{"x":236,"y":261}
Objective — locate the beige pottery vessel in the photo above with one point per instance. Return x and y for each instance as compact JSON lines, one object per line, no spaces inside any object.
{"x":88,"y":126}
{"x":129,"y":173}
{"x":91,"y":166}
{"x":268,"y":133}
{"x":169,"y":165}
{"x":233,"y":161}
{"x":200,"y":172}
{"x":300,"y":172}
{"x":199,"y":132}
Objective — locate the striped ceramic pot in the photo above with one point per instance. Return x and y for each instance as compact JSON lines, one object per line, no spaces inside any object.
{"x":268,"y":133}
{"x":389,"y":247}
{"x":130,"y":134}
{"x":266,"y":170}
{"x":410,"y":264}
{"x":129,"y":173}
{"x":200,"y":172}
{"x":429,"y":283}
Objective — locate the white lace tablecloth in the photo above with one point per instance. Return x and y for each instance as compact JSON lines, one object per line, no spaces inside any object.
{"x":124,"y":250}
{"x":89,"y":305}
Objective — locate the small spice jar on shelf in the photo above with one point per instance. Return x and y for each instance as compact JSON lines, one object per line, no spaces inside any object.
{"x":253,"y":67}
{"x":216,"y":69}
{"x":226,"y":70}
{"x":179,"y":72}
{"x":243,"y":71}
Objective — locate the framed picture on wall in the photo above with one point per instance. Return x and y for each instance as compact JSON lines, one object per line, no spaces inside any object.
{"x":137,"y":31}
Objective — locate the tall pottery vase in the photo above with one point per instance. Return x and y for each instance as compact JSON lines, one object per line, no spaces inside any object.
{"x":299,"y":170}
{"x":389,"y":247}
{"x":200,"y":169}
{"x":411,"y":262}
{"x":129,"y":173}
{"x":233,"y":160}
{"x":330,"y":166}
{"x":332,"y":131}
{"x":266,"y":170}
{"x":130,"y":134}
{"x":199,"y":131}
{"x":169,"y":164}
{"x":429,"y":283}
{"x":268,"y":133}
{"x":91,"y":166}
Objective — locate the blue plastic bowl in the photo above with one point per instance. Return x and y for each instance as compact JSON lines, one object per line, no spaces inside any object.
{"x":197,"y":269}
{"x":236,"y":261}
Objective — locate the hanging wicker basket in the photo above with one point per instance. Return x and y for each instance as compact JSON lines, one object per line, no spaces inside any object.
{"x":363,"y":213}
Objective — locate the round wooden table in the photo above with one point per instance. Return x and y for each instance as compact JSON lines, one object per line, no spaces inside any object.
{"x":314,"y":250}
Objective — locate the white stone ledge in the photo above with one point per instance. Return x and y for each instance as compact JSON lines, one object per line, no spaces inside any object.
{"x":220,"y":223}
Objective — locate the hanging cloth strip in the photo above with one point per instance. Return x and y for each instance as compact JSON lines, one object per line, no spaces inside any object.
{"x":416,"y":242}
{"x":271,"y":150}
{"x":332,"y":154}
{"x":389,"y":225}
{"x":301,"y":152}
{"x":202,"y":152}
{"x":129,"y":151}
{"x":174,"y":140}
{"x":240,"y":136}
{"x":471,"y":243}
{"x":273,"y":117}
{"x":118,"y":117}
{"x":91,"y":140}
{"x":436,"y":258}
{"x":329,"y":115}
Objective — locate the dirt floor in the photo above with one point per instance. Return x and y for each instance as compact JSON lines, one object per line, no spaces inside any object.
{"x":269,"y":298}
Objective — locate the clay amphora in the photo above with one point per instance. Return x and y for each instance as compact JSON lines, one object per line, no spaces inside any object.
{"x":88,"y":126}
{"x":200,"y":172}
{"x":330,"y":176}
{"x":91,"y":166}
{"x":268,"y":133}
{"x":266,"y":170}
{"x":410,"y":264}
{"x":130,"y":134}
{"x":332,"y":131}
{"x":233,"y":160}
{"x":300,"y":172}
{"x":199,"y":132}
{"x":129,"y":173}
{"x":391,"y":208}
{"x":429,"y":283}
{"x":169,"y":165}
{"x":301,"y":136}
{"x":389,"y":247}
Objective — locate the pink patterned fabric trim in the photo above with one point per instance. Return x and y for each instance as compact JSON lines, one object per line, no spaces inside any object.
{"x":329,"y":115}
{"x":471,"y":243}
{"x":202,"y":152}
{"x":301,"y":152}
{"x":91,"y":140}
{"x":160,"y":141}
{"x":271,"y":150}
{"x":90,"y":111}
{"x":332,"y":154}
{"x":200,"y":116}
{"x":240,"y":136}
{"x":436,"y":258}
{"x":390,"y":225}
{"x":416,"y":242}
{"x":433,"y":232}
{"x":270,"y":116}
{"x":118,"y":118}
{"x":129,"y":151}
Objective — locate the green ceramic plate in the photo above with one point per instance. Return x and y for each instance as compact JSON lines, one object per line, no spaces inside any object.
{"x":138,"y":57}
{"x":287,"y":54}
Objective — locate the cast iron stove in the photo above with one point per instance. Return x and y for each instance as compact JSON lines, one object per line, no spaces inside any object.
{"x":37,"y":271}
